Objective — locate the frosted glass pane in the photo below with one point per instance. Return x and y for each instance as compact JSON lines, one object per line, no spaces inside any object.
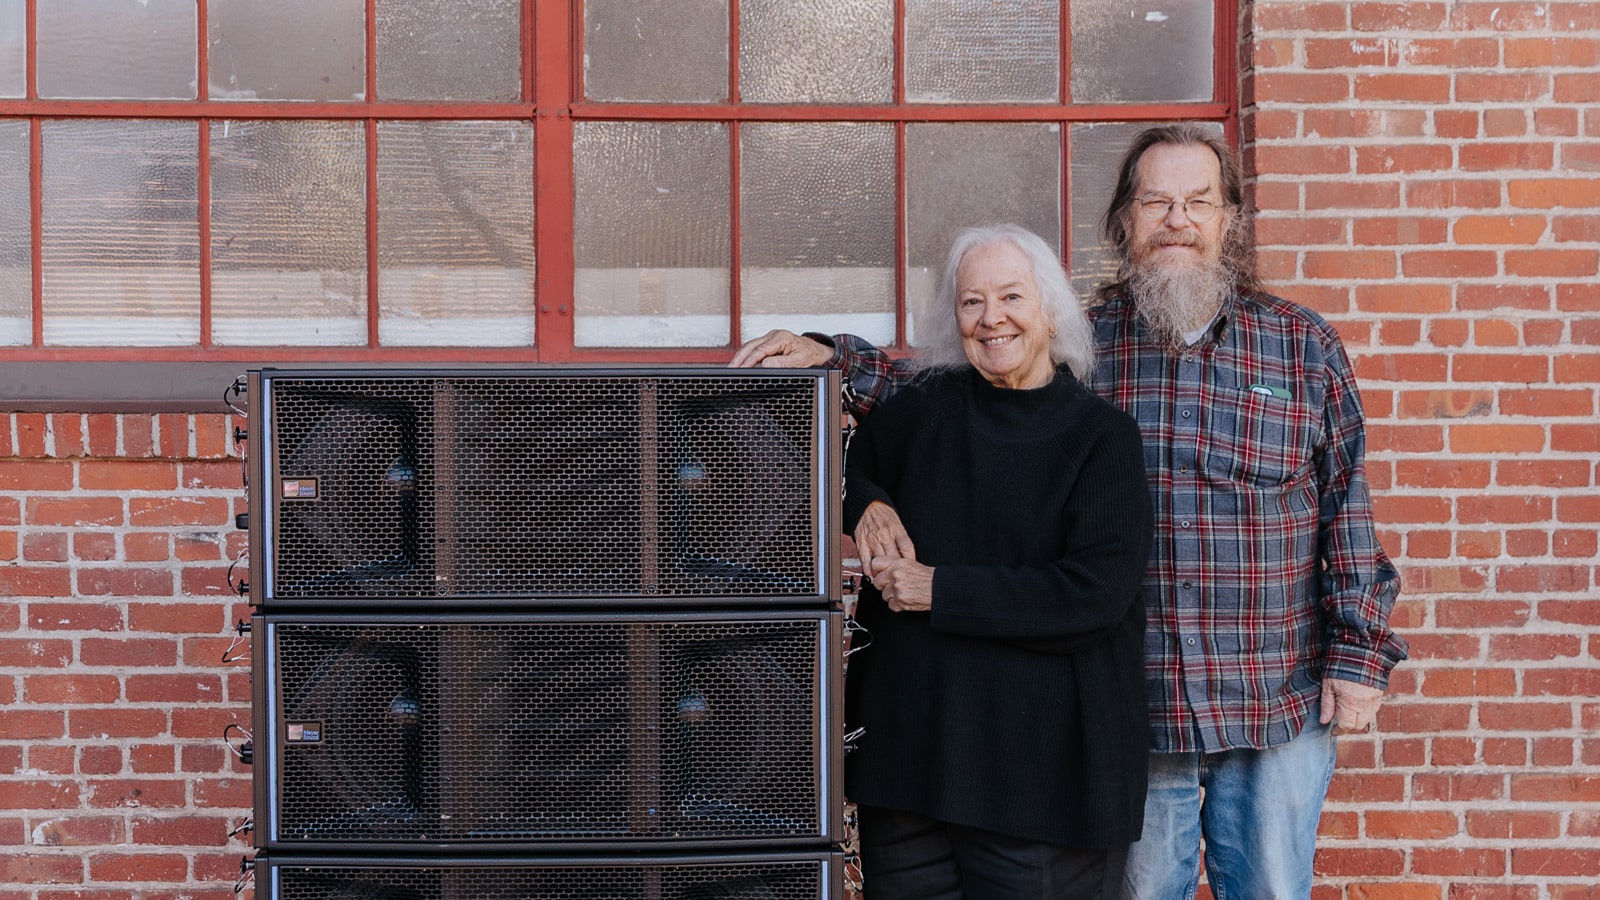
{"x":449,"y":50}
{"x":287,"y":49}
{"x":671,"y":51}
{"x":288,"y":233}
{"x":1159,"y":51}
{"x":455,"y":234}
{"x":983,"y":52}
{"x":120,"y":232}
{"x":108,"y":49}
{"x":816,"y":214}
{"x":1096,"y":153}
{"x":825,"y":51}
{"x":13,"y":49}
{"x":16,"y":251}
{"x":650,"y":234}
{"x":961,"y":175}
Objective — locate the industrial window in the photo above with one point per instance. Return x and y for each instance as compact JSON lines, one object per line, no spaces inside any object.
{"x":523,"y":180}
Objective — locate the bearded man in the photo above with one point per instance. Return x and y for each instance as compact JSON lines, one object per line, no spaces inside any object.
{"x":1267,"y":594}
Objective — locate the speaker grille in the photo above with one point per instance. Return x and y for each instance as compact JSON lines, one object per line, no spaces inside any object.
{"x":573,"y":485}
{"x":524,"y":730}
{"x":757,"y":879}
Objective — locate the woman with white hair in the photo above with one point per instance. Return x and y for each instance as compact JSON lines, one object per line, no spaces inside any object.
{"x":1001,"y":514}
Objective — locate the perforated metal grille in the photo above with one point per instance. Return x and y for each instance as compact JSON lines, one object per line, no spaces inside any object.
{"x":772,"y":880}
{"x":688,"y":728}
{"x":549,"y":486}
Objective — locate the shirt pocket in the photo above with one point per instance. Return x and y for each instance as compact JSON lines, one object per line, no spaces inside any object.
{"x":1256,"y":440}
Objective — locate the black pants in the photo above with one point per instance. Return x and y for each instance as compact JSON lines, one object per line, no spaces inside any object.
{"x":905,"y":856}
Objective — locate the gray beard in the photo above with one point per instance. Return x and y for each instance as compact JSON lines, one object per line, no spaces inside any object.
{"x":1177,"y":301}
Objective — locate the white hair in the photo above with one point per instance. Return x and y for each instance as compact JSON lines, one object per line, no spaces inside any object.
{"x":938,"y":337}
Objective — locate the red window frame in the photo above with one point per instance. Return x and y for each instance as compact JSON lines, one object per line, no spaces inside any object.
{"x":551,"y":88}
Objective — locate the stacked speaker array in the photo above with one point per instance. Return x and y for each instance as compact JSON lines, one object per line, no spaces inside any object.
{"x":546,"y":633}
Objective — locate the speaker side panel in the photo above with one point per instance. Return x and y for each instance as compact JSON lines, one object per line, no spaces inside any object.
{"x":765,"y":876}
{"x":694,"y":729}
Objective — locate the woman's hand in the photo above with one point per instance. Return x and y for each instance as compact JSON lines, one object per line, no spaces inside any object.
{"x":880,"y":535}
{"x":906,"y":585}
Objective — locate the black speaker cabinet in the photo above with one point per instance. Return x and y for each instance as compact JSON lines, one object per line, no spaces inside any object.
{"x":563,"y":485}
{"x":764,"y":876}
{"x":547,"y":730}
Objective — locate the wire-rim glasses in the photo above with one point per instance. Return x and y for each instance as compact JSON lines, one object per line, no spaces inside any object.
{"x":1198,"y":211}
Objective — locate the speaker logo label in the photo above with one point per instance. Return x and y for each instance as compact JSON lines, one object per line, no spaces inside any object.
{"x":298,"y":489}
{"x":303,"y":733}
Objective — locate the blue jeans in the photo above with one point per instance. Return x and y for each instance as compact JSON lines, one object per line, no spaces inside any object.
{"x":1257,"y":810}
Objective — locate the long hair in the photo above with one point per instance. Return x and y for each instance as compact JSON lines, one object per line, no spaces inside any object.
{"x":938,"y":337}
{"x":1238,"y":248}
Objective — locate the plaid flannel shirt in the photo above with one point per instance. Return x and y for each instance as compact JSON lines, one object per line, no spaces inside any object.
{"x":1266,"y":575}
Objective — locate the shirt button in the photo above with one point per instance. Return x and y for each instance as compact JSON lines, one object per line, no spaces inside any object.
{"x":1187,"y":585}
{"x":1185,"y":413}
{"x":1184,"y":524}
{"x":1190,"y":642}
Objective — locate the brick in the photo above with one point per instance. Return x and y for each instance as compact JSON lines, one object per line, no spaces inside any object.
{"x":1504,"y":123}
{"x":143,"y":866}
{"x":122,"y":722}
{"x":1548,"y":862}
{"x":31,"y":725}
{"x":153,"y":759}
{"x":1303,"y":87}
{"x":1446,"y":751}
{"x":1328,"y":124}
{"x":1438,"y":473}
{"x":1522,"y":543}
{"x":45,"y":547}
{"x":1402,"y":230}
{"x":174,"y":688}
{"x":1349,"y":264}
{"x":146,"y":546}
{"x":1574,"y":438}
{"x":1302,"y":159}
{"x":1403,"y":367}
{"x":1554,"y":473}
{"x":211,"y":476}
{"x":1448,"y":332}
{"x":152,"y":512}
{"x":1498,"y":17}
{"x":39,"y":868}
{"x":1553,"y":753}
{"x":74,"y":616}
{"x":1524,"y":716}
{"x":75,"y":512}
{"x":1362,"y":196}
{"x":34,"y":652}
{"x":1483,"y":613}
{"x":1546,"y":402}
{"x":35,"y":475}
{"x":1499,"y":229}
{"x":1406,"y":158}
{"x":1469,"y":438}
{"x":195,"y":831}
{"x":1513,"y":87}
{"x":1469,"y":683}
{"x":1574,"y":543}
{"x":94,"y":546}
{"x":1270,"y":17}
{"x":1456,"y":123}
{"x":79,"y":831}
{"x":1299,"y":230}
{"x":1577,"y":367}
{"x":1480,"y":863}
{"x":1448,"y":264}
{"x":1403,"y":88}
{"x":1543,"y":332}
{"x":1551,"y":52}
{"x":1358,"y":862}
{"x":1580,"y":157}
{"x":1499,"y":368}
{"x":1519,"y":825}
{"x":1579,"y":88}
{"x":126,"y":475}
{"x":1397,"y":510}
{"x":100,"y":761}
{"x":1460,"y":787}
{"x":1576,"y":612}
{"x":124,"y":582}
{"x":1445,"y":645}
{"x":1558,"y":122}
{"x":1553,"y":263}
{"x":1498,"y":157}
{"x":1458,"y":53}
{"x":71,"y":689}
{"x":1397,"y":16}
{"x":1421,"y":718}
{"x":1542,"y":579}
{"x":176,"y":618}
{"x":1495,"y":333}
{"x":1554,"y":193}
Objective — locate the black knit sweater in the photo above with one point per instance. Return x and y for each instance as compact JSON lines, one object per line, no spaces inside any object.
{"x":1017,"y":705}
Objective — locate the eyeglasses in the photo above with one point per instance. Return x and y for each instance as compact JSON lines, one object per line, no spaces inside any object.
{"x":1198,"y":211}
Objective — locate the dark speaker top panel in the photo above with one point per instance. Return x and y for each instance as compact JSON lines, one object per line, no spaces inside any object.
{"x":544,"y":484}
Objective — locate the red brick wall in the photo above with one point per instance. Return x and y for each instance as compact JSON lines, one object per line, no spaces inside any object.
{"x":116,"y":533}
{"x":1429,"y":177}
